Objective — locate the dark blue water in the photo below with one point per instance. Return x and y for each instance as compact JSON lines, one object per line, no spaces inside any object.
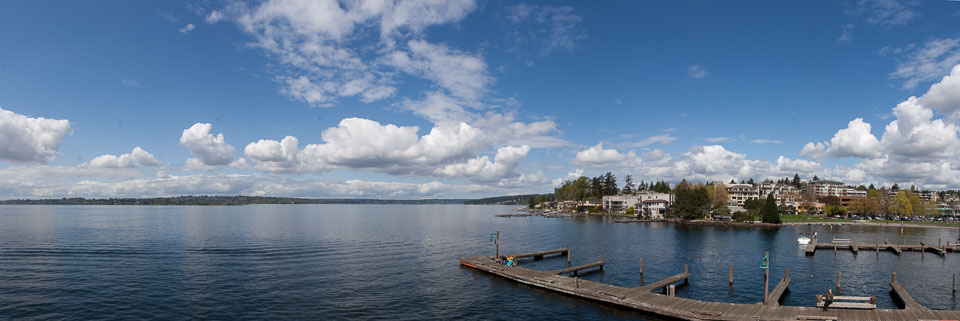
{"x":400,"y":262}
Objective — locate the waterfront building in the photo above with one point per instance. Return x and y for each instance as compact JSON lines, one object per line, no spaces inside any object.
{"x":619,"y":203}
{"x":652,"y":209}
{"x":828,"y":188}
{"x":849,"y":202}
{"x":742,"y":192}
{"x":810,"y":207}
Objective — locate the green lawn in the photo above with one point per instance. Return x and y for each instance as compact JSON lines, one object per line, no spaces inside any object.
{"x":917,"y":222}
{"x":809,"y":219}
{"x":816,"y":219}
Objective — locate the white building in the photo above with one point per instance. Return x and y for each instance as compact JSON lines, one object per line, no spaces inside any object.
{"x":619,"y":203}
{"x":827,"y":188}
{"x":652,"y":209}
{"x":742,"y":192}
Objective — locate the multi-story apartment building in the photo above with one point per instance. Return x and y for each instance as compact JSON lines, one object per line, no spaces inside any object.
{"x":781,"y":192}
{"x":742,"y":192}
{"x":853,"y":192}
{"x":617,"y":203}
{"x":928,"y":195}
{"x":827,"y":188}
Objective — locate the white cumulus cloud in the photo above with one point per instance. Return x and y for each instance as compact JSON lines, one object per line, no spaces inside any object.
{"x":211,"y":151}
{"x":30,"y":139}
{"x":598,"y":156}
{"x":137,"y":157}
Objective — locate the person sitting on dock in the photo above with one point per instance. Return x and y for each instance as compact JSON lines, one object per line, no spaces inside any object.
{"x":827,"y":299}
{"x":510,"y":261}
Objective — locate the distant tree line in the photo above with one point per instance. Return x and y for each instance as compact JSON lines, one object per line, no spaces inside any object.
{"x":218,"y":200}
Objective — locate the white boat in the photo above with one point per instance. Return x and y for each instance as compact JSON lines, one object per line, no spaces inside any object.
{"x":803,"y":239}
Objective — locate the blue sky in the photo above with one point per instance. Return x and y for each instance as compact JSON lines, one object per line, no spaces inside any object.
{"x":423,"y":99}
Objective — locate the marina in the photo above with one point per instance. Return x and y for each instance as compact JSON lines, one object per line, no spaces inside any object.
{"x":645,"y":298}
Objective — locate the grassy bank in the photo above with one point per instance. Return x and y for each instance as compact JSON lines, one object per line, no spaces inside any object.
{"x":811,"y":219}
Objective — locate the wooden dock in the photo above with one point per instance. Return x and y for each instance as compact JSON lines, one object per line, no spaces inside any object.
{"x":774,"y":298}
{"x":905,"y":298}
{"x":540,"y":254}
{"x":643,"y":298}
{"x":848,"y":244}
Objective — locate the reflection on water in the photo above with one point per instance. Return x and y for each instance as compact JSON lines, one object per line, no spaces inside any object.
{"x":399,"y":262}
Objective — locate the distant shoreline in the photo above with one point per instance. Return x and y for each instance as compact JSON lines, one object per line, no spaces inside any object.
{"x":631,"y":219}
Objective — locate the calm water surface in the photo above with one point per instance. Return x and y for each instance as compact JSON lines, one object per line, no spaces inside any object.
{"x":400,"y":262}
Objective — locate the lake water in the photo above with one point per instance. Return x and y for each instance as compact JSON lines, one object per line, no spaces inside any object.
{"x":400,"y":262}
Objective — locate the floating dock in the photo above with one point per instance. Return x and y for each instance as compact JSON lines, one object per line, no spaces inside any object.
{"x":644,"y":298}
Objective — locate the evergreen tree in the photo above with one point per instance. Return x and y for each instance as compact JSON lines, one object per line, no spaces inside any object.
{"x":733,"y":181}
{"x":871,"y":187}
{"x":691,"y":201}
{"x":596,"y":188}
{"x":796,"y":180}
{"x":628,"y":185}
{"x":770,"y":213}
{"x":815,"y":178}
{"x":750,"y":181}
{"x":609,"y":184}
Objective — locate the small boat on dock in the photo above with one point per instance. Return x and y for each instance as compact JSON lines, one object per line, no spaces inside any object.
{"x":804,"y":239}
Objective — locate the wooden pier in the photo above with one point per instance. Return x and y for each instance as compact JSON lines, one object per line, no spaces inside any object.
{"x":644,"y":298}
{"x":774,"y":298}
{"x":849,"y":244}
{"x":540,"y":254}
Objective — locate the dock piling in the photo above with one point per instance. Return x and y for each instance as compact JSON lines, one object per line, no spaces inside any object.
{"x":497,"y":244}
{"x":954,"y":283}
{"x":731,"y":275}
{"x":838,"y":281}
{"x":766,"y":275}
{"x":672,"y":290}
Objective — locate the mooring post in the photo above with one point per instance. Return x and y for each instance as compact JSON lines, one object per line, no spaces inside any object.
{"x":954,"y":282}
{"x":497,"y":244}
{"x":641,"y":271}
{"x":673,"y":290}
{"x":568,"y":255}
{"x":601,"y":261}
{"x":766,"y":276}
{"x":838,"y":281}
{"x":731,"y":275}
{"x":893,"y":277}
